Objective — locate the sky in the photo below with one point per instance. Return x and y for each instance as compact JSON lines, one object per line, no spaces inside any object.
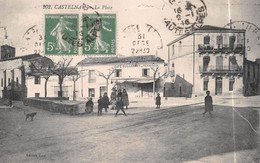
{"x":18,"y":17}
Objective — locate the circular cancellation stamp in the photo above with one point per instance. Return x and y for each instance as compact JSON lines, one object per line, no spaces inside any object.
{"x":186,"y":15}
{"x":252,"y":37}
{"x":33,"y":38}
{"x":142,"y":40}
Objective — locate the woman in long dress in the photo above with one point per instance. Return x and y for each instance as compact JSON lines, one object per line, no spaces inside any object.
{"x":99,"y":45}
{"x":58,"y":31}
{"x":125,"y":98}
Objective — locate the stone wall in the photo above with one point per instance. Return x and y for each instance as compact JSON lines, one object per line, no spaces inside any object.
{"x":66,"y":107}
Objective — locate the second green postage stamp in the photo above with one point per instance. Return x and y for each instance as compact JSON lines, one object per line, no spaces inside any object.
{"x":61,"y":33}
{"x":99,"y":34}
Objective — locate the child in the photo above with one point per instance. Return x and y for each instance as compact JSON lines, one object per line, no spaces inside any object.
{"x":100,"y":105}
{"x":208,"y":103}
{"x":89,"y":106}
{"x":120,"y":106}
{"x":158,"y":100}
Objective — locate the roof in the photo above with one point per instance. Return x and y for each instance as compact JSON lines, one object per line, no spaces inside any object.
{"x":24,"y":58}
{"x":102,"y":60}
{"x":208,"y":29}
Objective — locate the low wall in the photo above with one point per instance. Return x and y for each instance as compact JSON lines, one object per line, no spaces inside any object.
{"x":53,"y":106}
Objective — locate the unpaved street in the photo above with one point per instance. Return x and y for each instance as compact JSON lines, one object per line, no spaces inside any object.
{"x":177,"y":134}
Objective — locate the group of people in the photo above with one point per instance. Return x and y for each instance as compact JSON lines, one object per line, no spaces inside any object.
{"x":118,"y":100}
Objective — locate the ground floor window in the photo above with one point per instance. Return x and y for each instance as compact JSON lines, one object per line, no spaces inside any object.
{"x":231,"y":84}
{"x":91,"y":92}
{"x":37,"y":94}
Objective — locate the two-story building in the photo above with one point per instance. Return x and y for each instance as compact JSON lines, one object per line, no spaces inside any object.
{"x":209,"y":58}
{"x":136,"y":74}
{"x":17,"y":81}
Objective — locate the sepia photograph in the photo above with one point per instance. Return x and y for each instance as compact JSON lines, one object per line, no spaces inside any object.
{"x":117,"y":81}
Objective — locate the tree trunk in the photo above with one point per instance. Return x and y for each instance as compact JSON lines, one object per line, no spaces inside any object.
{"x":60,"y":83}
{"x":74,"y":91}
{"x":154,"y":88}
{"x":107,"y":86}
{"x":45,"y":87}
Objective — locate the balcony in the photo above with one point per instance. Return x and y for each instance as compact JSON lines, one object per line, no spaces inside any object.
{"x":223,"y":69}
{"x":224,"y":48}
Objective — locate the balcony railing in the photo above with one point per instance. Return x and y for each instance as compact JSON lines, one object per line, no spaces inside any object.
{"x":237,"y":48}
{"x":219,"y":69}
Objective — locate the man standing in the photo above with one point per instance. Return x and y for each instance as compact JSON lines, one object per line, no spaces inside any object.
{"x":208,"y":104}
{"x":120,"y":106}
{"x":105,"y":101}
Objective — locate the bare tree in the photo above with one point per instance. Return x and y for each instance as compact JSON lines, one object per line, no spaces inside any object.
{"x":42,"y":67}
{"x":74,"y":77}
{"x":62,"y":69}
{"x":106,"y":76}
{"x":156,"y":77}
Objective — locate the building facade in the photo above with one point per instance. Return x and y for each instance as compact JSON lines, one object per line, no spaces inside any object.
{"x":135,"y":74}
{"x":252,"y":77}
{"x":210,"y":58}
{"x":18,"y":81}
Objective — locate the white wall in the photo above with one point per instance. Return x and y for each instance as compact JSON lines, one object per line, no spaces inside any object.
{"x":183,"y":58}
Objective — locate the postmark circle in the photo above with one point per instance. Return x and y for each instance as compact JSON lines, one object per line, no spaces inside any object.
{"x":143,"y":39}
{"x":186,"y":15}
{"x":34,"y":40}
{"x":252,"y":37}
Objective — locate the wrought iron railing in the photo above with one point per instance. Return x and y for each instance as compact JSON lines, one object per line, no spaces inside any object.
{"x":220,"y":48}
{"x":221,"y":69}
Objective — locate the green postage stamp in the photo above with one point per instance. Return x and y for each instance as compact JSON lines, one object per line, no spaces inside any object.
{"x":61,"y":31}
{"x":99,"y":34}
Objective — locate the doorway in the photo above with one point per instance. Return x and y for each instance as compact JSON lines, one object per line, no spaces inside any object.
{"x":218,"y":86}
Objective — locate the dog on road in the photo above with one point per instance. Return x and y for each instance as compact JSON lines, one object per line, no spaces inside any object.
{"x":27,"y":115}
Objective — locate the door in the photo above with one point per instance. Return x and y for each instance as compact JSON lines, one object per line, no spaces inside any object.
{"x":220,"y":42}
{"x":232,"y":40}
{"x":218,"y":86}
{"x":219,"y":63}
{"x":206,"y":60}
{"x":102,"y":90}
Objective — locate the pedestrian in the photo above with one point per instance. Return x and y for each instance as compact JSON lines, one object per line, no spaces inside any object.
{"x":119,"y":94}
{"x":208,"y":104}
{"x":106,"y":101}
{"x":158,"y":101}
{"x":113,"y":98}
{"x":89,"y":106}
{"x":100,"y":105}
{"x":120,"y":106}
{"x":125,"y":98}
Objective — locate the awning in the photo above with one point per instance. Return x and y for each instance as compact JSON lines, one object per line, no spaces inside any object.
{"x":133,"y":80}
{"x":139,"y":81}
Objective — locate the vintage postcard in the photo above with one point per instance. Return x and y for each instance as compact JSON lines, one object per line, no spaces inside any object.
{"x":130,"y":81}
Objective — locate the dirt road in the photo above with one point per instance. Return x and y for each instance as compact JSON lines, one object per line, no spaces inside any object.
{"x":176,"y":134}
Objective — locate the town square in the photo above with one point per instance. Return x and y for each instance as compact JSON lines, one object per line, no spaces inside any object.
{"x":115,"y":81}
